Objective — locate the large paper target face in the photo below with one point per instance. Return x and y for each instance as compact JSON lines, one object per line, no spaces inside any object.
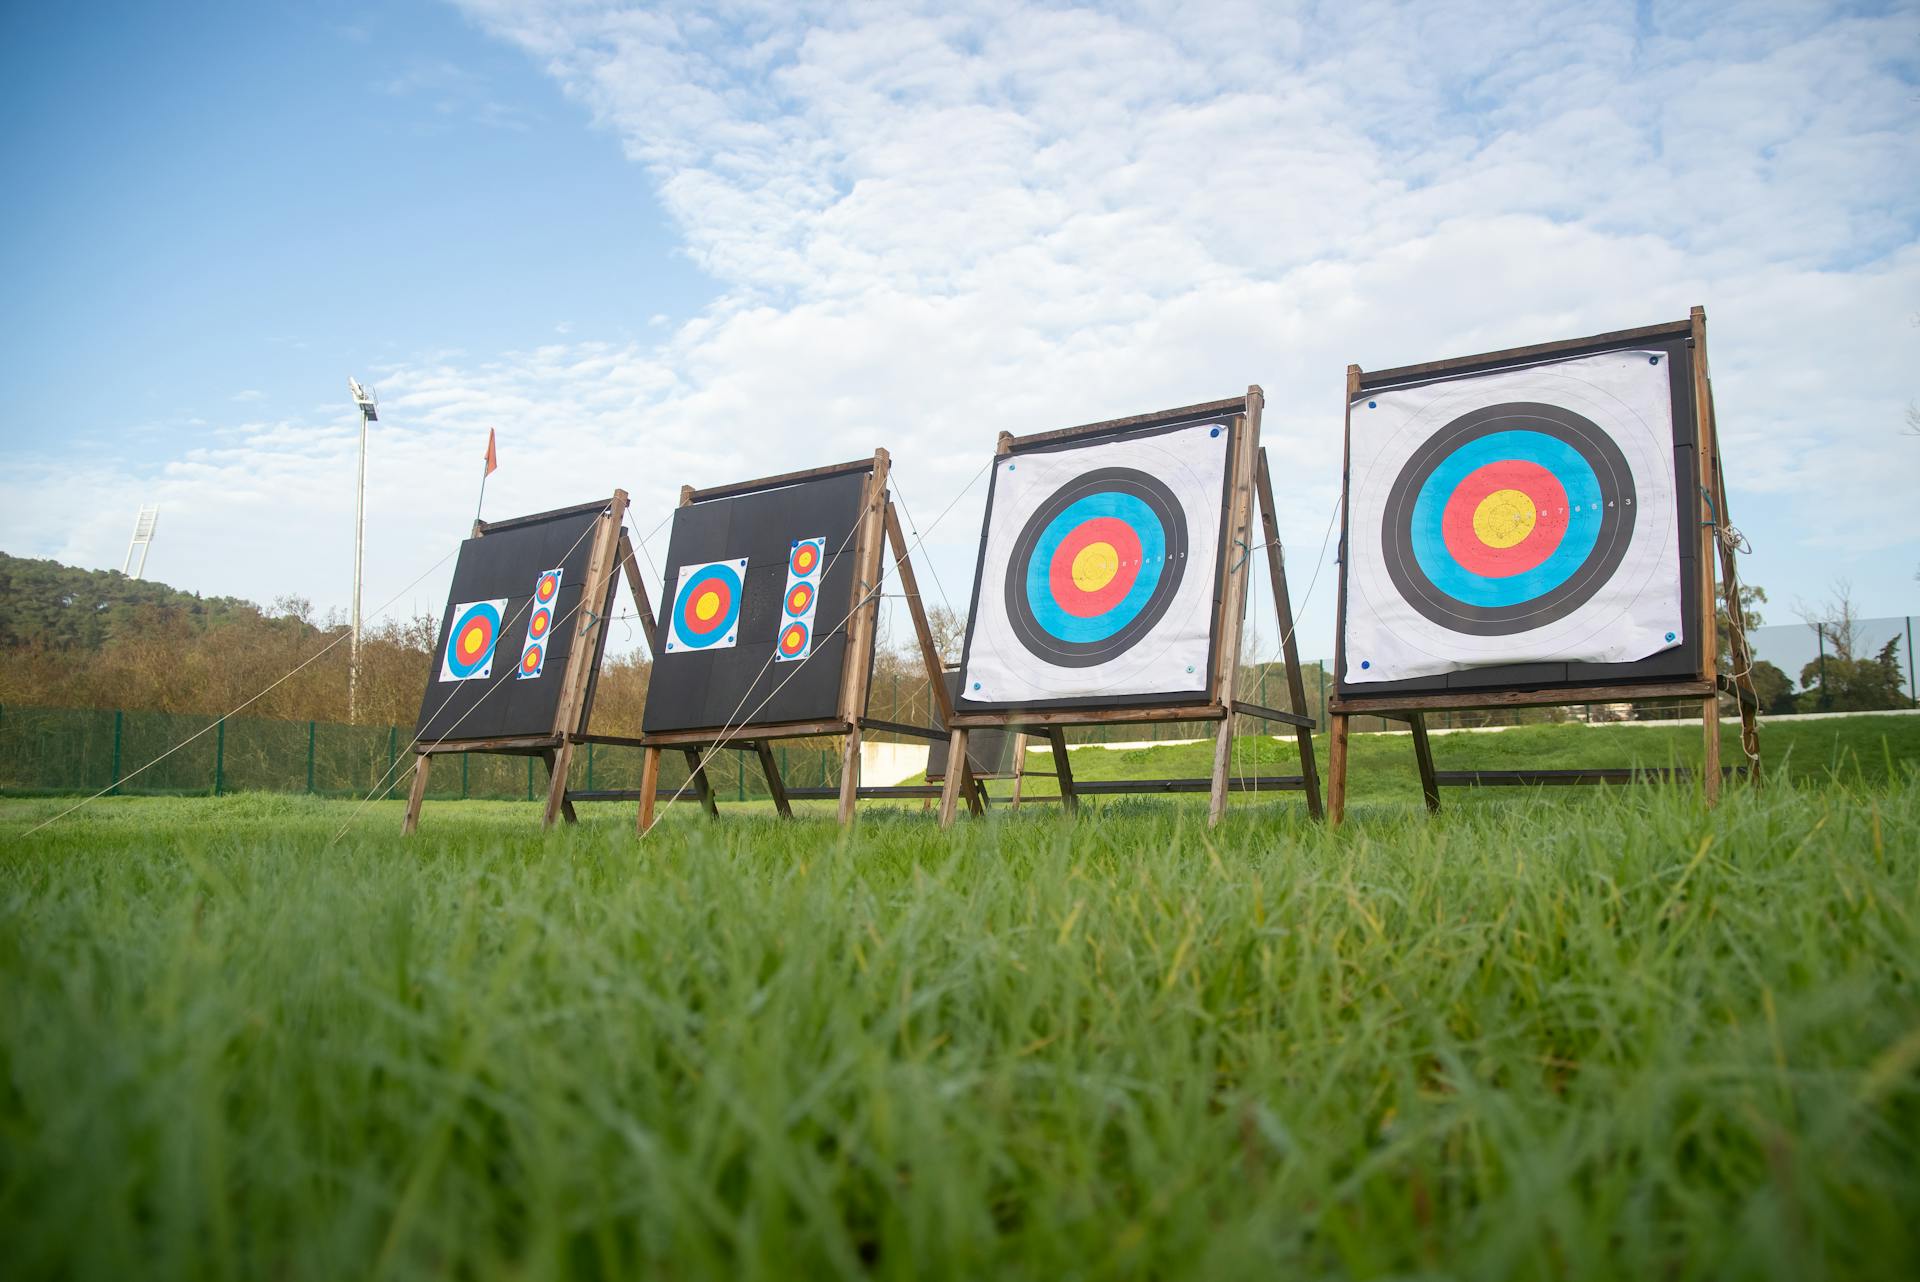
{"x":1099,"y":570}
{"x":706,"y":607}
{"x":471,"y":640}
{"x":1522,"y":516}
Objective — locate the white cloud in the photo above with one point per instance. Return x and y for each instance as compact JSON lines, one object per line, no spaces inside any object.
{"x":931,"y":225}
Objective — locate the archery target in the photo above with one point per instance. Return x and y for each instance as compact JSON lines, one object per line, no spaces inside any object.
{"x":793,"y":637}
{"x":706,"y":606}
{"x":1099,"y":570}
{"x":471,"y":639}
{"x":533,"y":654}
{"x":1521,"y":516}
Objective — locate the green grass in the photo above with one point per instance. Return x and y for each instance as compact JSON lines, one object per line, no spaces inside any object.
{"x":1587,"y":1033}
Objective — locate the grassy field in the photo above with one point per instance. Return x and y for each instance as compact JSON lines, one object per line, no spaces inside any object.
{"x":1585,"y":1034}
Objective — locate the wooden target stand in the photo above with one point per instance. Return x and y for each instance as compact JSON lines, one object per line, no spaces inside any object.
{"x":1249,"y":481}
{"x":1702,"y":687}
{"x":879,"y":526}
{"x":609,"y":546}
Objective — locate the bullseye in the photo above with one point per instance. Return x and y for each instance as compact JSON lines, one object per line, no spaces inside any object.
{"x":799,"y":599}
{"x":806,"y":556}
{"x":548,"y":585}
{"x":706,"y":605}
{"x":530,"y":660}
{"x":793,"y":640}
{"x":538,"y":624}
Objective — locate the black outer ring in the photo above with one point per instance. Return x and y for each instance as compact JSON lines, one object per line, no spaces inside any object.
{"x":1085,"y":654}
{"x":1609,"y":466}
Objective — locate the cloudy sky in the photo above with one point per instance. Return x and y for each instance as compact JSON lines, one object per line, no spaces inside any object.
{"x":693,"y":243}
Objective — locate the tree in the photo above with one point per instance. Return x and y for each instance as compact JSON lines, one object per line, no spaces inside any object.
{"x":1846,"y":684}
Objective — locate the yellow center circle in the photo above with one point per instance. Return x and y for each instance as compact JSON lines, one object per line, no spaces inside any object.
{"x":1094,"y":566}
{"x":470,"y":643}
{"x":706,"y":606}
{"x":1504,"y":518}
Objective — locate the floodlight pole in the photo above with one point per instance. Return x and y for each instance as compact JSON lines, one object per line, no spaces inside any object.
{"x":363,"y":399}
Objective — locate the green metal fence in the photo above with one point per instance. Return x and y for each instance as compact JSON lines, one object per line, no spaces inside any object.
{"x":83,"y":750}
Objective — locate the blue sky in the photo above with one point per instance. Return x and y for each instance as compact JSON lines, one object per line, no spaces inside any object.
{"x":652,"y":247}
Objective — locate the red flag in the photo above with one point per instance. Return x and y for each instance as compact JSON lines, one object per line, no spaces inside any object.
{"x":493,"y":458}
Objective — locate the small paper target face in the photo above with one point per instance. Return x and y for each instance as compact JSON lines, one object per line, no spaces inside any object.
{"x":706,"y":607}
{"x":471,"y":640}
{"x":546,"y":594}
{"x":1510,"y":517}
{"x":1096,"y":567}
{"x":806,"y":565}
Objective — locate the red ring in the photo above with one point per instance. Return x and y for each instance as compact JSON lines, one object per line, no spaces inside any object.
{"x":1551,"y":514}
{"x":693,"y":593}
{"x":1076,"y":600}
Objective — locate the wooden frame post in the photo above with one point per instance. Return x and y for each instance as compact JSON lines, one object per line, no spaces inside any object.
{"x":1709,"y":535}
{"x":1337,"y":727}
{"x":418,"y":795}
{"x":858,"y":672}
{"x":1283,"y":615}
{"x":1233,"y":601}
{"x":1063,"y":770}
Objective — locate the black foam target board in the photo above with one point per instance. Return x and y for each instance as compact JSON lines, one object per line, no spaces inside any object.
{"x":1680,"y":662}
{"x":742,"y":684}
{"x":506,"y":561}
{"x":989,"y":752}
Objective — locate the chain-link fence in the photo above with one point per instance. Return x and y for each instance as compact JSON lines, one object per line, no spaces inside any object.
{"x":81,"y":750}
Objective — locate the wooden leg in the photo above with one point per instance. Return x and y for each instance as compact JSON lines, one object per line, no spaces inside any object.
{"x":1710,"y":748}
{"x":419,"y":794}
{"x":950,"y":786}
{"x":1222,"y":759}
{"x":1423,"y":756}
{"x":649,"y":787}
{"x":1336,"y":769}
{"x":1069,"y":799}
{"x":701,"y":784}
{"x":775,"y":785}
{"x":1019,"y":769}
{"x":558,"y":762}
{"x":1310,"y":773}
{"x":850,"y":775}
